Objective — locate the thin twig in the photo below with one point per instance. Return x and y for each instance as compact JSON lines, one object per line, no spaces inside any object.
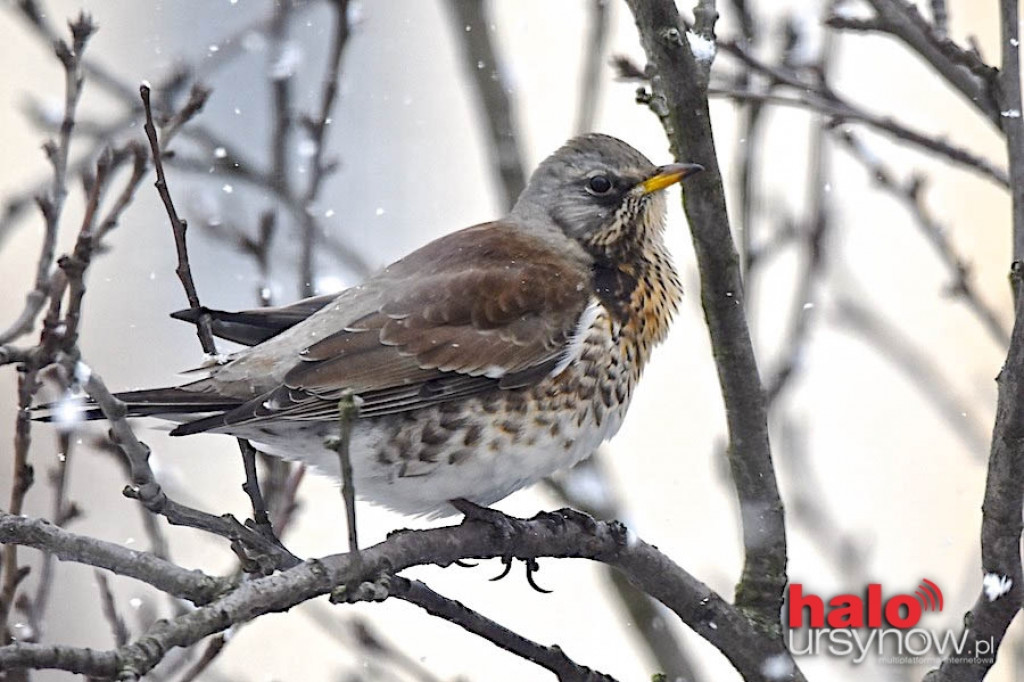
{"x":281,"y":69}
{"x":471,"y":26}
{"x":158,"y":545}
{"x":814,"y":243}
{"x":63,"y":513}
{"x":348,"y":411}
{"x":748,"y":139}
{"x":251,"y":487}
{"x":548,"y":657}
{"x":593,"y":60}
{"x":903,"y":20}
{"x":818,"y":97}
{"x":179,"y":228}
{"x":114,"y":619}
{"x":940,"y":17}
{"x":145,"y":489}
{"x":911,"y":195}
{"x":316,"y":128}
{"x":52,"y":204}
{"x":210,"y":653}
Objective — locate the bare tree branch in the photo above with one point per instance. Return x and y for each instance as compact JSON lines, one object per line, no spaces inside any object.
{"x":910,"y":194}
{"x":178,"y":226}
{"x":193,"y":585}
{"x":1011,"y":118}
{"x":962,"y":69}
{"x":593,"y":60}
{"x":316,"y":128}
{"x":926,"y":376}
{"x":471,"y":26}
{"x":550,"y":535}
{"x":117,"y":626}
{"x":680,"y":101}
{"x":818,"y":97}
{"x":52,"y":204}
{"x":550,"y":658}
{"x":999,"y":603}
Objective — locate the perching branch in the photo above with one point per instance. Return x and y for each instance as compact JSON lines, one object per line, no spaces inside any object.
{"x":548,"y":535}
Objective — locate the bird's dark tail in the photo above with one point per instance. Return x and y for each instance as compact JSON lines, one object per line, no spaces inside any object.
{"x":173,"y":403}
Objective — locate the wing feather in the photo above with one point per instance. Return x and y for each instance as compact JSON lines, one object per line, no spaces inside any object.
{"x":486,"y":309}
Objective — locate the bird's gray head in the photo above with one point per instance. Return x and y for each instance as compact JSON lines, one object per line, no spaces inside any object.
{"x":599,"y":191}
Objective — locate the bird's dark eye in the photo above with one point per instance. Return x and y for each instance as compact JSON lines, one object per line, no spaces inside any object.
{"x":599,"y":185}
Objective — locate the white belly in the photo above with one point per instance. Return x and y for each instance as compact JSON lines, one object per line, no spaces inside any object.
{"x":497,"y":466}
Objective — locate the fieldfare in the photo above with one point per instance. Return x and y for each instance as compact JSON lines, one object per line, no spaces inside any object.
{"x":483,"y":361}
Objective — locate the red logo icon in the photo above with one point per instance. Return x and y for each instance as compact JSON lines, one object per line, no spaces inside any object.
{"x":873,"y":610}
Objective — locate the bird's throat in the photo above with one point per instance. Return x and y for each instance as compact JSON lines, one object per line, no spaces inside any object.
{"x":641,"y":295}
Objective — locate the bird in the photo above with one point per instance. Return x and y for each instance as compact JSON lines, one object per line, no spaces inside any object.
{"x":482,"y":362}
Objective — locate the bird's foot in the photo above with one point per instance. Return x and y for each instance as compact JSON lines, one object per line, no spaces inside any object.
{"x":504,"y":525}
{"x":560,"y":518}
{"x":509,"y":529}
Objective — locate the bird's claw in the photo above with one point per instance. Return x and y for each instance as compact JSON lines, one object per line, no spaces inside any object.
{"x":508,"y":528}
{"x":531,"y":568}
{"x":507,"y":563}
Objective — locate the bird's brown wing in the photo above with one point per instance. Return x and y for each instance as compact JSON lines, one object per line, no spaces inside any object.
{"x":487,"y":308}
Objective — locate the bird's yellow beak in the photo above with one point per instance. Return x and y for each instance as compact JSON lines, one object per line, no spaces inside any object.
{"x":666,"y":176}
